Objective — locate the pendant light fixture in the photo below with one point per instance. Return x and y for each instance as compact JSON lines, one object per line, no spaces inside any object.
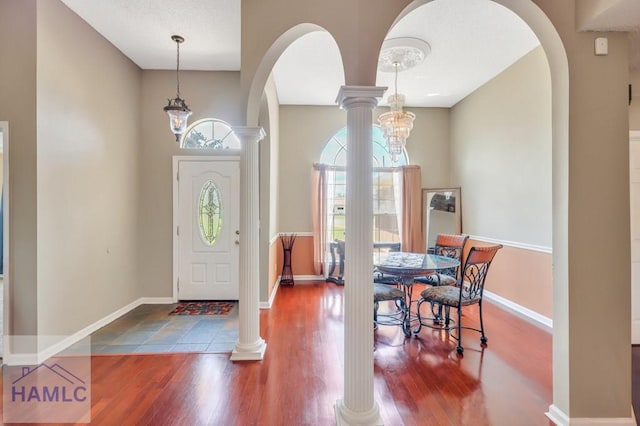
{"x":397,"y":55}
{"x":177,"y":108}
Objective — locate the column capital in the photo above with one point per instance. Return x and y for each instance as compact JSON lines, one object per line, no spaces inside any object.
{"x":246,"y":132}
{"x":349,"y":95}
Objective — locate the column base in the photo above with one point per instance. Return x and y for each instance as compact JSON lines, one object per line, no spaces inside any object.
{"x":558,"y":417}
{"x":251,"y":352}
{"x":347,"y":417}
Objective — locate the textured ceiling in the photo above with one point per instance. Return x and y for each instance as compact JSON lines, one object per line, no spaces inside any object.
{"x":471,"y":42}
{"x":142,"y":30}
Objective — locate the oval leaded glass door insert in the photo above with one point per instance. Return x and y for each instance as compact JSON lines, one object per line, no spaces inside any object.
{"x":210,"y":212}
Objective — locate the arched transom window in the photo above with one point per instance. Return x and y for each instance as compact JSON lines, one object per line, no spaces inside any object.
{"x":335,"y":151}
{"x":210,"y":133}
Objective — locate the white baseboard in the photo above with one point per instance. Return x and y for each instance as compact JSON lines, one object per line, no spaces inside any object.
{"x":42,"y":355}
{"x":20,"y":359}
{"x":272,"y":297}
{"x":308,"y":278}
{"x":520,"y":310}
{"x":558,"y":417}
{"x":156,"y":301}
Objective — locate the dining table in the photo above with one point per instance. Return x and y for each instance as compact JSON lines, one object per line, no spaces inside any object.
{"x":407,"y":266}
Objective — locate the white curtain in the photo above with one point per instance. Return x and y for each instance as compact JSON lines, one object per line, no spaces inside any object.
{"x":319,"y":216}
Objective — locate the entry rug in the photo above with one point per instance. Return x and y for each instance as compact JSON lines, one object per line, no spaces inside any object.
{"x":204,"y":308}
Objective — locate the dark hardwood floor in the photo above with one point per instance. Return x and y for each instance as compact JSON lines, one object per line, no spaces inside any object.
{"x":418,"y":380}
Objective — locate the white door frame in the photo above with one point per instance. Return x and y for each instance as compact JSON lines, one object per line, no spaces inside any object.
{"x":6,"y":350}
{"x":634,"y":137}
{"x":176,"y":166}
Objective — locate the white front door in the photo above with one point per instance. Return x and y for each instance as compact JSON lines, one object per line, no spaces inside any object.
{"x":208,"y":222}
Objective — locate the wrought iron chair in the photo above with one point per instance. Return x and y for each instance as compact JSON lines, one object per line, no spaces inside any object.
{"x":467,"y":291}
{"x":379,"y":277}
{"x":385,"y":292}
{"x":451,"y":246}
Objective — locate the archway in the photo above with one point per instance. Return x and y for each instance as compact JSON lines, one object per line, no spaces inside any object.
{"x":554,"y":49}
{"x":541,"y":24}
{"x":269,"y":59}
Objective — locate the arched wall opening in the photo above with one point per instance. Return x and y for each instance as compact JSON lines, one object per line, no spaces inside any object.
{"x":556,"y":55}
{"x":263,"y":110}
{"x":268,"y":61}
{"x":557,"y":58}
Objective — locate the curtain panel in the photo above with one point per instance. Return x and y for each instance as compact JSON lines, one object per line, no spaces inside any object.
{"x":411,"y":235}
{"x":319,"y":216}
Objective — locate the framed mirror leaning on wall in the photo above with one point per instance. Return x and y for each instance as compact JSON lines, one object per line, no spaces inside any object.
{"x":441,"y":213}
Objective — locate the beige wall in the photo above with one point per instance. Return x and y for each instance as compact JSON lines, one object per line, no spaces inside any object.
{"x":634,"y":108}
{"x":274,"y":157}
{"x":209,"y":95}
{"x":18,"y":82}
{"x":88,"y":113}
{"x":274,"y":170}
{"x":501,"y":143}
{"x":304,"y":131}
{"x":269,"y":120}
{"x":428,"y":145}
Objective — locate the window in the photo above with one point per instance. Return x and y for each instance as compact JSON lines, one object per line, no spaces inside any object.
{"x":210,"y":212}
{"x":210,"y":133}
{"x":385,"y":220}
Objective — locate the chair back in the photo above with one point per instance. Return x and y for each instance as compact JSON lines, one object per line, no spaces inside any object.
{"x":450,"y":246}
{"x":475,"y":271}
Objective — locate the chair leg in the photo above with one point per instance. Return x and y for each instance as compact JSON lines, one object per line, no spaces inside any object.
{"x":459,"y":348}
{"x":447,"y":317}
{"x":483,"y":338}
{"x":417,"y":330}
{"x":437,"y":317}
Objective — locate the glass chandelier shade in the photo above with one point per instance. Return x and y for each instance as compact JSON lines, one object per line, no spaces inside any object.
{"x":396,"y":124}
{"x":399,"y":54}
{"x":177,"y":108}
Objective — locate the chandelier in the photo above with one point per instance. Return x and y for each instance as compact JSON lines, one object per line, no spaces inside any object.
{"x":399,"y":54}
{"x":177,"y":108}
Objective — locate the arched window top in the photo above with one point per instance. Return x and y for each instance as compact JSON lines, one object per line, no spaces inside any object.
{"x":335,"y":151}
{"x":210,"y":133}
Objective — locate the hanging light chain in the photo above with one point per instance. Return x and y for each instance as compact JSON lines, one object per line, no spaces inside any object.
{"x":178,"y":69}
{"x":396,"y":65}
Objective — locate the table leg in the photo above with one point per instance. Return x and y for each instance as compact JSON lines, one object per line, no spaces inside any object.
{"x":407,"y":285}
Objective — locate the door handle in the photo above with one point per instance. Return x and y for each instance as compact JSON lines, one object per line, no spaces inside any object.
{"x":237,"y":232}
{"x":237,"y":242}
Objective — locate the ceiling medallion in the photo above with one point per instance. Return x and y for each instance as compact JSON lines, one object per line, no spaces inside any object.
{"x":406,"y":52}
{"x":399,"y":54}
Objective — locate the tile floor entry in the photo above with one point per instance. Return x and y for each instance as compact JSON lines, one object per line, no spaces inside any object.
{"x":150,"y":329}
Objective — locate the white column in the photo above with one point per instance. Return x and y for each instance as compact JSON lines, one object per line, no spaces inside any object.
{"x":358,"y":407}
{"x":250,"y":345}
